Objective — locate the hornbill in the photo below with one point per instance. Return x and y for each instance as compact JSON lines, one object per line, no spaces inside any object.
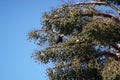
{"x":59,"y":39}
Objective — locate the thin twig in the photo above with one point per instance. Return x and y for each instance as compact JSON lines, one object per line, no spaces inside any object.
{"x":46,"y":31}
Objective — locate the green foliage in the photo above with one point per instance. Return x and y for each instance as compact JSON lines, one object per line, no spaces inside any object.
{"x":102,"y":28}
{"x":117,"y":2}
{"x":87,"y":51}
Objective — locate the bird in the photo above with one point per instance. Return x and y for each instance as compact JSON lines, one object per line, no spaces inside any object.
{"x":59,"y":39}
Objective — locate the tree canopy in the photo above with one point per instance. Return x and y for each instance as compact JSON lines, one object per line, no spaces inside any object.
{"x":90,"y":48}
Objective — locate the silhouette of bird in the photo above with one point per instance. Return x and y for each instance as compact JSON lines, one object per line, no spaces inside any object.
{"x":59,"y":39}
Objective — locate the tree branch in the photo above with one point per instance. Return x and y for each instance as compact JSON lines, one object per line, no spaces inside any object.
{"x":97,"y":3}
{"x":115,"y":47}
{"x":92,"y":3}
{"x":101,"y":14}
{"x":108,"y":54}
{"x":90,"y":15}
{"x":113,"y":7}
{"x":49,"y":32}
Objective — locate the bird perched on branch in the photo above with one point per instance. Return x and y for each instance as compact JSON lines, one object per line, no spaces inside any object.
{"x":59,"y":39}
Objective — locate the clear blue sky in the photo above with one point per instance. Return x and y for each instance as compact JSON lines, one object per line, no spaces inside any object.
{"x":17,"y":17}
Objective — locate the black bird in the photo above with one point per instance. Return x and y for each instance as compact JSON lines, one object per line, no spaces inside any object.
{"x":60,"y":39}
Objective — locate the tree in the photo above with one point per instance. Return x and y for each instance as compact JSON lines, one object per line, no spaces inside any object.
{"x":90,"y":47}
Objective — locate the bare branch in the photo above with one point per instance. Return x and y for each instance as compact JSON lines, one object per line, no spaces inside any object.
{"x":92,"y":3}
